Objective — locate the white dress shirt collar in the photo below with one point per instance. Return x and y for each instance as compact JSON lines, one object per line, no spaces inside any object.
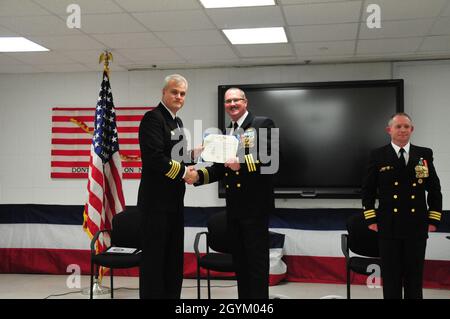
{"x":170,"y":112}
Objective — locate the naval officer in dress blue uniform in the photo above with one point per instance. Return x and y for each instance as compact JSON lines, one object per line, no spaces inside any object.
{"x":403,"y":178}
{"x":249,"y":195}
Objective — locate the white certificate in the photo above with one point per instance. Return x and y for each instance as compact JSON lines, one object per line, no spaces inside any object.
{"x":219,"y":148}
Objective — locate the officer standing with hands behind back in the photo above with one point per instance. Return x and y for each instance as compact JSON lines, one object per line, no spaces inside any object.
{"x":402,"y":176}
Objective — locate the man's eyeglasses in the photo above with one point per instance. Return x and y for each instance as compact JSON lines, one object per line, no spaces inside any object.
{"x":229,"y":101}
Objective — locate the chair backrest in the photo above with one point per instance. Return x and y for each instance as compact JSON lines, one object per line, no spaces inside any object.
{"x":126,"y":229}
{"x":362,"y":240}
{"x":218,"y":238}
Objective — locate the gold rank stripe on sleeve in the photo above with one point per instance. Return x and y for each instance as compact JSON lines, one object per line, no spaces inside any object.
{"x":435,"y":215}
{"x":250,"y":163}
{"x":205,"y":175}
{"x":369,"y":213}
{"x":175,"y":168}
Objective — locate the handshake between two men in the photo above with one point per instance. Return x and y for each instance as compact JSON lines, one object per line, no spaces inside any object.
{"x":192,"y":177}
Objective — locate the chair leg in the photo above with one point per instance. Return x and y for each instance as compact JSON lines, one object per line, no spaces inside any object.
{"x":348,"y":282}
{"x":91,"y":291}
{"x":198,"y":280}
{"x":209,"y":285}
{"x":112,"y":284}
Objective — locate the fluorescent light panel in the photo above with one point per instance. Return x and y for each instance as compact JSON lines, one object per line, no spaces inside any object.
{"x":19,"y":44}
{"x":209,"y":4}
{"x":256,"y":35}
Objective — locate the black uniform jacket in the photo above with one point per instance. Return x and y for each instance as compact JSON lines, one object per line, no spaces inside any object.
{"x":248,"y":192}
{"x":162,"y":187}
{"x":404,"y":210}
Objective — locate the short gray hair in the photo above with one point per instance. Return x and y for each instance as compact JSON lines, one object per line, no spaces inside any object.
{"x":175,"y":77}
{"x":391,"y":119}
{"x":237,"y":89}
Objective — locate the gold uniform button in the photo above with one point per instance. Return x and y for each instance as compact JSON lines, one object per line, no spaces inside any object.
{"x":396,"y":183}
{"x":414,"y":184}
{"x":395,"y":196}
{"x":237,"y":173}
{"x":238,"y":185}
{"x":412,"y":210}
{"x":412,"y":196}
{"x":226,"y":174}
{"x":228,"y":186}
{"x":395,"y":210}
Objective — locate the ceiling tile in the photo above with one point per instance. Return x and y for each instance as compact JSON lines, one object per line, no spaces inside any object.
{"x":86,"y":6}
{"x":92,"y":56}
{"x":323,"y":13}
{"x":326,"y":32}
{"x":305,"y":1}
{"x":151,"y":55}
{"x":130,"y":41}
{"x":37,"y":25}
{"x":397,"y":29}
{"x":446,"y":12}
{"x":388,"y":45}
{"x":268,"y":60}
{"x":7,"y":33}
{"x":5,"y":59}
{"x":264,"y":50}
{"x":69,"y":42}
{"x":158,"y":5}
{"x":406,"y":9}
{"x":246,"y":17}
{"x":175,"y":20}
{"x":325,"y":48}
{"x":110,"y":23}
{"x":9,"y":8}
{"x":436,"y":43}
{"x":68,"y":67}
{"x":441,"y":27}
{"x":19,"y":68}
{"x":206,"y":53}
{"x":190,"y":38}
{"x":37,"y":58}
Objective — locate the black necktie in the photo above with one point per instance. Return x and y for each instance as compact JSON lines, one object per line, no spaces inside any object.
{"x":235,"y":127}
{"x":178,"y":121}
{"x":402,"y":158}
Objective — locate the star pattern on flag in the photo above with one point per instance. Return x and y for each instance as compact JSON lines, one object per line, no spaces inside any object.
{"x":105,"y":139}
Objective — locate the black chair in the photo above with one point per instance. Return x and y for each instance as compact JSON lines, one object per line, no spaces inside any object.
{"x":125,"y":233}
{"x":217,"y":240}
{"x":362,"y":241}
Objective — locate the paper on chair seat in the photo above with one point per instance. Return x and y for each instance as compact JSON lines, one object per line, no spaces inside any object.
{"x":219,"y":148}
{"x":121,"y":250}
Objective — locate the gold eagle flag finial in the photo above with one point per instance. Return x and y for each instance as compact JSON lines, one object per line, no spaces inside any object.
{"x":105,"y":57}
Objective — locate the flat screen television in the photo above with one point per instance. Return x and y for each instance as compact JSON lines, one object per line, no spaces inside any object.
{"x":326,"y":130}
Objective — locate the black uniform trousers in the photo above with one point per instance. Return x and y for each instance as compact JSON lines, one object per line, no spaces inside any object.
{"x":162,"y":261}
{"x":402,"y":263}
{"x":250,"y":251}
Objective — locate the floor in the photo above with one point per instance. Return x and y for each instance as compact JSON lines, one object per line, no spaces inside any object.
{"x":26,"y":286}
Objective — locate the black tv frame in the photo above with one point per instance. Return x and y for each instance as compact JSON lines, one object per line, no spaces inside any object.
{"x":341,"y":192}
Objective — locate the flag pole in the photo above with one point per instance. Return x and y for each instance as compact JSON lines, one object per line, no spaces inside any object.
{"x":97,"y":288}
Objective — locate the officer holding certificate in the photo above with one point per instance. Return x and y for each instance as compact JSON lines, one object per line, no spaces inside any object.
{"x":249,"y":195}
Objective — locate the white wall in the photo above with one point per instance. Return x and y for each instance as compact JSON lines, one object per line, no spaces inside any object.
{"x":25,"y":119}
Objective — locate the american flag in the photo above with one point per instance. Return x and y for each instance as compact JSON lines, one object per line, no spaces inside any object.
{"x":105,"y":195}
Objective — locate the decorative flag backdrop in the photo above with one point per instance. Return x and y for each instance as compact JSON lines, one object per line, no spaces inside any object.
{"x":72,"y":130}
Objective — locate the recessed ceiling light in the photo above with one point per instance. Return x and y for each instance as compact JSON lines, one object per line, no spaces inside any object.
{"x":19,"y":44}
{"x":209,"y":4}
{"x":256,"y":35}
